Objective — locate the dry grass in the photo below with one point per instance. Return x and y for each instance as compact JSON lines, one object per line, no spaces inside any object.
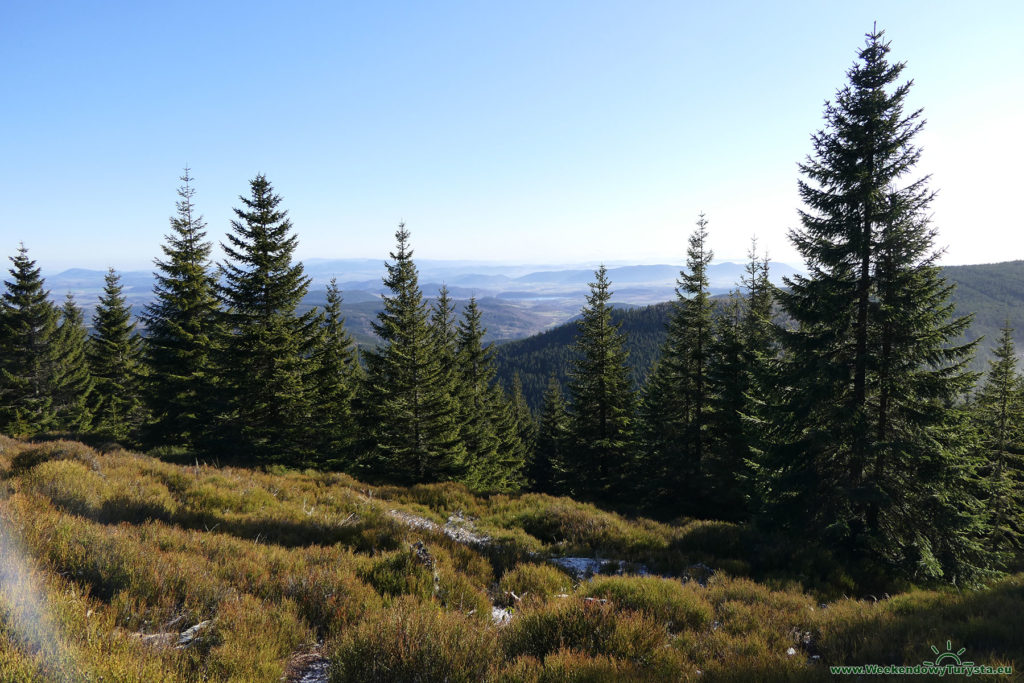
{"x":107,"y":557}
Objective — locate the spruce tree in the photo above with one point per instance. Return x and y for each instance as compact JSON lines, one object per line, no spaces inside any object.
{"x":115,"y":361}
{"x":677,"y":397}
{"x":181,"y":325}
{"x":739,"y":375}
{"x":548,"y":470}
{"x":266,"y":350}
{"x":411,"y":417}
{"x":873,"y":460}
{"x":28,"y":351}
{"x":478,"y":413}
{"x":334,"y":383}
{"x":999,"y":414}
{"x":602,"y":409}
{"x":73,"y":384}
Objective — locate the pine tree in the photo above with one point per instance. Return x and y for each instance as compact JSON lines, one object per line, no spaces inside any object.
{"x":115,"y":361}
{"x":411,"y":416}
{"x":999,"y":413}
{"x":873,"y":461}
{"x":181,"y":325}
{"x":547,"y":470}
{"x":601,"y":450}
{"x":725,"y":468}
{"x":677,"y":397}
{"x":73,"y":384}
{"x":739,"y":374}
{"x":334,"y":382}
{"x":28,"y":331}
{"x":265,"y":359}
{"x":525,"y":423}
{"x":478,"y":413}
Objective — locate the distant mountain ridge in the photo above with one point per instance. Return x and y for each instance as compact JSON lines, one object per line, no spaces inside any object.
{"x":518,"y":301}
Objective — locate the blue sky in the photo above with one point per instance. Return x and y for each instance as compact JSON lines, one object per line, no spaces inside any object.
{"x":527,"y":131}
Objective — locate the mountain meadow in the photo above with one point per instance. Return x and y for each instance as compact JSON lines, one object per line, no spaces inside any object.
{"x":807,"y":476}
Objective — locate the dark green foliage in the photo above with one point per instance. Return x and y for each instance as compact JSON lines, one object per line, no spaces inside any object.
{"x":115,"y":360}
{"x":494,"y":451}
{"x":28,"y":352}
{"x":603,"y":405}
{"x":265,"y":355}
{"x":334,"y":382}
{"x":411,"y":417}
{"x":677,"y":398}
{"x":739,"y":373}
{"x":874,"y":459}
{"x":73,"y":384}
{"x":547,"y":471}
{"x":999,"y":414}
{"x":181,"y":325}
{"x":535,"y":359}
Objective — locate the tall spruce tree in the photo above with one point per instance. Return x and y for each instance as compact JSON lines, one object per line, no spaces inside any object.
{"x":873,"y":461}
{"x":335,"y":380}
{"x":478,"y":413}
{"x":28,"y":352}
{"x":73,"y":384}
{"x":677,"y":397}
{"x":115,"y":360}
{"x":411,"y":416}
{"x":739,"y":375}
{"x":267,"y":346}
{"x":600,"y":454}
{"x":999,"y":413}
{"x":547,"y":469}
{"x":181,"y":325}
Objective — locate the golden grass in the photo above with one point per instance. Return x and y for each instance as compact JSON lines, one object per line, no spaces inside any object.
{"x":108,"y":557}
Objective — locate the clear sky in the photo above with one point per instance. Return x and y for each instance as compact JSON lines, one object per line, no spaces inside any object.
{"x":541,"y":131}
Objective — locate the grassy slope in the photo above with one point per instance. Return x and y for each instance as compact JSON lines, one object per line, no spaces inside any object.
{"x":116,"y":545}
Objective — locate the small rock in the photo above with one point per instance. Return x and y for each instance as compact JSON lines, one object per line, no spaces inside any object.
{"x":791,"y":651}
{"x":500,"y":616}
{"x":189,"y":636}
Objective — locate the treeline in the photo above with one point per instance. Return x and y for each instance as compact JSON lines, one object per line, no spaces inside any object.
{"x":855,"y":425}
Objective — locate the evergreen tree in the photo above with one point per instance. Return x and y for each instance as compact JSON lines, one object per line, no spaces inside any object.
{"x":265,"y":360}
{"x":999,"y":413}
{"x":411,"y":416}
{"x":739,"y":374}
{"x":525,"y":424}
{"x":478,"y":412}
{"x":28,"y":331}
{"x":547,"y":471}
{"x":600,"y":453}
{"x":677,"y":398}
{"x":115,"y":361}
{"x":334,"y":382}
{"x":181,"y":325}
{"x":73,"y":384}
{"x":873,"y":460}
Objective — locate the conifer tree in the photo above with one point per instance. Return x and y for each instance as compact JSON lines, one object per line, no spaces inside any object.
{"x":181,"y":325}
{"x":265,"y":356}
{"x":547,"y":470}
{"x":999,"y":413}
{"x":601,"y":450}
{"x":478,"y":412}
{"x":411,"y":417}
{"x":677,"y":397}
{"x":115,"y":361}
{"x":739,"y":375}
{"x":873,"y":459}
{"x":73,"y":384}
{"x":525,"y":423}
{"x":28,"y":331}
{"x":334,"y":383}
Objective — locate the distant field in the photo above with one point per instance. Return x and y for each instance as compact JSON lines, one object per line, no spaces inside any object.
{"x":121,"y":567}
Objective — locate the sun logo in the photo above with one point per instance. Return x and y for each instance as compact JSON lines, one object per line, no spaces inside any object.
{"x":948,"y":658}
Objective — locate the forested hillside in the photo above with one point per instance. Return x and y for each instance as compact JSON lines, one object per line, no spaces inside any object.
{"x":992,"y":293}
